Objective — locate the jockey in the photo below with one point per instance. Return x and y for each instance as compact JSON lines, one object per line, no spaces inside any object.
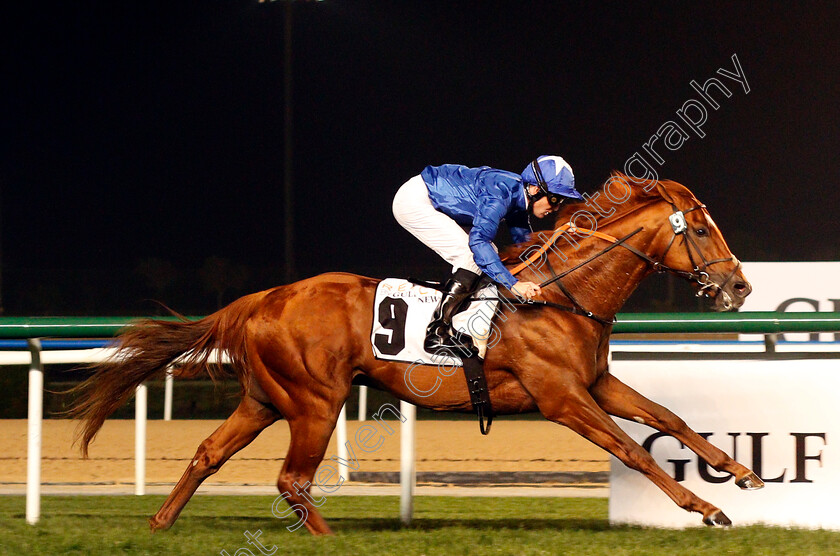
{"x":442,"y":202}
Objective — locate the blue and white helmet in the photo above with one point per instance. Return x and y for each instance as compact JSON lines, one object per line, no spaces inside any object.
{"x":553,"y":176}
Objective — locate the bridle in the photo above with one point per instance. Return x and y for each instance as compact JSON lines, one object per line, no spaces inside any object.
{"x":699,"y":274}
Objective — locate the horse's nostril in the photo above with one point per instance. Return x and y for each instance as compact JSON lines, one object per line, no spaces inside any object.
{"x":741,"y":288}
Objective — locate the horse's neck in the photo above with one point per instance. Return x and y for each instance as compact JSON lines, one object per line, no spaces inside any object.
{"x":604,"y":284}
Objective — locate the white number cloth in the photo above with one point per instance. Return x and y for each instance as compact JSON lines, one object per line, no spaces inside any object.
{"x":402,"y":311}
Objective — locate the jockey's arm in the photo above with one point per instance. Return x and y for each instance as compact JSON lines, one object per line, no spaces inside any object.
{"x":488,"y":261}
{"x":490,"y":211}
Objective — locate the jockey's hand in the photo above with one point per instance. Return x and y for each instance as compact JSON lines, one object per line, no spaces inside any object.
{"x":525,"y":290}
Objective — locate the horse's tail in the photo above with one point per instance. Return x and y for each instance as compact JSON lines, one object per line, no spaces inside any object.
{"x":148,"y":348}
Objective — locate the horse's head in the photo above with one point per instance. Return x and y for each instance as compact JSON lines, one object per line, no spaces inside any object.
{"x":691,"y":245}
{"x":680,"y":238}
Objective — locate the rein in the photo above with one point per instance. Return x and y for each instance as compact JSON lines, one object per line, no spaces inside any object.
{"x":540,"y":303}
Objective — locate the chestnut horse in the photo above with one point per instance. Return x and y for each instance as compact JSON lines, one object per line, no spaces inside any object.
{"x":296,"y":349}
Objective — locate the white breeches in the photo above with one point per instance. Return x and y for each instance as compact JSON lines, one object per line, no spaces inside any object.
{"x":414,"y":211}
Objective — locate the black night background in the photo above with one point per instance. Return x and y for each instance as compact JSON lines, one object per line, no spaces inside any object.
{"x":143,"y":143}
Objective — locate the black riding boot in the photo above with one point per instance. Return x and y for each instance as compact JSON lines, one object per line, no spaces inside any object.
{"x":439,"y":334}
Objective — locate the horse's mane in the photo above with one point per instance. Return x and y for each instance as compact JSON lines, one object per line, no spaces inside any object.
{"x":641,"y":192}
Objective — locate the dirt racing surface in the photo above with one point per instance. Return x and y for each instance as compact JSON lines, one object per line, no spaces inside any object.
{"x":442,"y":446}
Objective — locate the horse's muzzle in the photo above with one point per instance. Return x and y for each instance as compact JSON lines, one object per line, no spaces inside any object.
{"x":729,"y":297}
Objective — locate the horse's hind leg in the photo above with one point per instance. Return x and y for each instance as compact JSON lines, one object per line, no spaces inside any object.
{"x":579,"y":411}
{"x":310,"y":435}
{"x":616,"y":398}
{"x":243,"y":426}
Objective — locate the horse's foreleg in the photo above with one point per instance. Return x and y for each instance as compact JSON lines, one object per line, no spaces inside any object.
{"x":243,"y":426}
{"x":616,"y":398}
{"x":579,"y":411}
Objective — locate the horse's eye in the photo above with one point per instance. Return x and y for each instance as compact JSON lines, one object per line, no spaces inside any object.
{"x":701,"y":232}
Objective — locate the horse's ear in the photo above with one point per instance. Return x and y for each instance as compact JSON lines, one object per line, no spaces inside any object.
{"x":660,"y":187}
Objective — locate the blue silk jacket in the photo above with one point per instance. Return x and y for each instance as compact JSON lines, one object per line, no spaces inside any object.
{"x":481,"y":198}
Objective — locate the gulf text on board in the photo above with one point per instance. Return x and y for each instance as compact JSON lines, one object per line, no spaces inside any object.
{"x":801,"y":456}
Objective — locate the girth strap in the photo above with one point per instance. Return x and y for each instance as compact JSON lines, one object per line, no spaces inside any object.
{"x":473,"y":367}
{"x":479,"y":391}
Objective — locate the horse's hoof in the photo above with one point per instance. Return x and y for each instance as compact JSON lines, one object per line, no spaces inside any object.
{"x":155,"y":526}
{"x":717,"y":519}
{"x":750,"y":481}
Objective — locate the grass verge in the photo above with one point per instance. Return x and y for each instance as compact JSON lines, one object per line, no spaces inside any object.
{"x":370,"y":525}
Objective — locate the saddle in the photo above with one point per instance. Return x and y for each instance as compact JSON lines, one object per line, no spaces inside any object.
{"x":402,"y":310}
{"x":473,"y":371}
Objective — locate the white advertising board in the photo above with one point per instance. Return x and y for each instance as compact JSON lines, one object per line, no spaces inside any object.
{"x":780,"y":418}
{"x":794,"y":287}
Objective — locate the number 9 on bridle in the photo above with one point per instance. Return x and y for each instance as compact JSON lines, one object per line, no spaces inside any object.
{"x":296,"y":350}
